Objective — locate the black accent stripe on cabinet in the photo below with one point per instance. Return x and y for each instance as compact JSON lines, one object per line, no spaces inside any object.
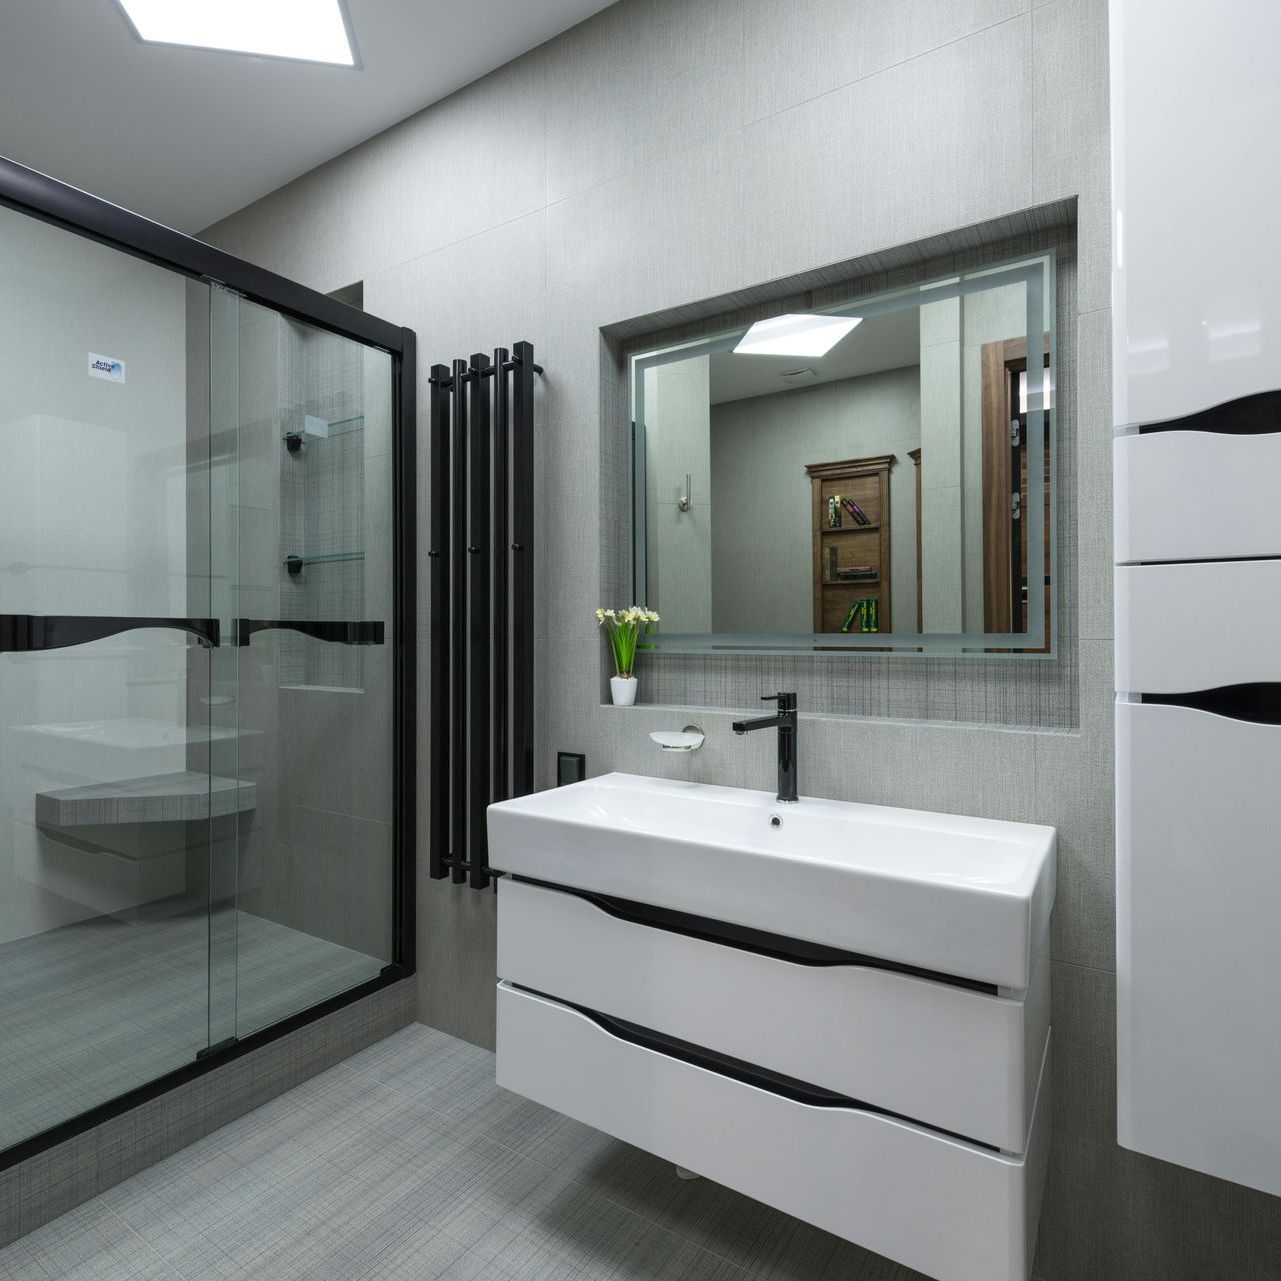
{"x":1258,"y":703}
{"x":1249,"y":416}
{"x":764,"y":943}
{"x":788,"y":1087}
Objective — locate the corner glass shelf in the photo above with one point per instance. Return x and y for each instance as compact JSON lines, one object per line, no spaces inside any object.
{"x":294,"y":440}
{"x":294,"y":564}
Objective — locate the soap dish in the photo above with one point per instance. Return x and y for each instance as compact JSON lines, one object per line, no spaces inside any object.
{"x":687,"y":740}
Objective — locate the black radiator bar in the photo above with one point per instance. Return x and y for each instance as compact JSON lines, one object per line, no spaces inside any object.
{"x":438,"y":661}
{"x":522,"y":550}
{"x":458,"y":624}
{"x":480,"y":617}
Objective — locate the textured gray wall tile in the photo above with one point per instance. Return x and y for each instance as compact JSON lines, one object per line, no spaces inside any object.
{"x":799,"y":49}
{"x":639,"y":83}
{"x":1093,"y":485}
{"x":889,"y":176}
{"x":457,"y":942}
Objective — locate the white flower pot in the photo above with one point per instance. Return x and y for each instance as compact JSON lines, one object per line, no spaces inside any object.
{"x":623,"y":690}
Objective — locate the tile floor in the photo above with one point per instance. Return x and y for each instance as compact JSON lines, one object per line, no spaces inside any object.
{"x":90,"y":1011}
{"x":407,"y":1163}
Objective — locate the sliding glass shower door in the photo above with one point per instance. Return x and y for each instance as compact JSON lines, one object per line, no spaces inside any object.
{"x":202,"y":699}
{"x":302,"y":575}
{"x":106,"y":642}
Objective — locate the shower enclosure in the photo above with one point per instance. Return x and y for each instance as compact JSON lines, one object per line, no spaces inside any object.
{"x":206,"y":659}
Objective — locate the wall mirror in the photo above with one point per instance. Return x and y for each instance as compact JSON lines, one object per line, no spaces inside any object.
{"x":874,"y":475}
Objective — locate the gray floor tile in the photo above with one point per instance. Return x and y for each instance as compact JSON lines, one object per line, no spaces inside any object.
{"x":87,"y":1244}
{"x":407,"y":1163}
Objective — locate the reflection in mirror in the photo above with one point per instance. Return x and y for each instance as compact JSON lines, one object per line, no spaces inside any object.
{"x":883,"y":484}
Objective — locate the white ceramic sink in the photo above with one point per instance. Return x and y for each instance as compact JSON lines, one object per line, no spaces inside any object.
{"x":963,"y":896}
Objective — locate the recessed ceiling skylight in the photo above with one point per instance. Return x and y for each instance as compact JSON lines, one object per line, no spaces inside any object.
{"x":304,"y":30}
{"x":795,"y":335}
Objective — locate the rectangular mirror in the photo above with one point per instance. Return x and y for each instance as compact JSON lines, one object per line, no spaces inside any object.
{"x":877,"y":475}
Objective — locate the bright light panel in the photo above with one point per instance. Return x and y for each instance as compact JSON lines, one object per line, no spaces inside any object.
{"x":795,"y":335}
{"x":305,"y":30}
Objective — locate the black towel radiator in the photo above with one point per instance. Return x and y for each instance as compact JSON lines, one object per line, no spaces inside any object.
{"x":481,"y":599}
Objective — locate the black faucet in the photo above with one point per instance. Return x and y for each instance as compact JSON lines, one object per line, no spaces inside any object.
{"x":785,"y":721}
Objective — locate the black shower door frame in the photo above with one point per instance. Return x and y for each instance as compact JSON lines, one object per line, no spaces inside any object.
{"x":29,"y":192}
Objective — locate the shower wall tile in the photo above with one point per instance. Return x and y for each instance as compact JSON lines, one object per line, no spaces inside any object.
{"x":333,"y":879}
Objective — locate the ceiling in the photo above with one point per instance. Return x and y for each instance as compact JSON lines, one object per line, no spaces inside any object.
{"x":888,"y":341}
{"x":187,"y":136}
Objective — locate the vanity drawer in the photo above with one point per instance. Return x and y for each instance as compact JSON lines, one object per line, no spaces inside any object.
{"x":1181,"y":628}
{"x":954,"y":1058}
{"x":1196,"y":495}
{"x":954,"y":1210}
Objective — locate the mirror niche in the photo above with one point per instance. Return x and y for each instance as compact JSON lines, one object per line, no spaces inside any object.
{"x":876,"y":475}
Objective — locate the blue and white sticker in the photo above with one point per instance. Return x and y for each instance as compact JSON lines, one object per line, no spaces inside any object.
{"x":107,"y":367}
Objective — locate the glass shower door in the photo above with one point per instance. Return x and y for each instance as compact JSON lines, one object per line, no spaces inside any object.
{"x":107,"y":647}
{"x":302,"y":579}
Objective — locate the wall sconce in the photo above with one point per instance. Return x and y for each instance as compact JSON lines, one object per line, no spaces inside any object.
{"x":683,"y":502}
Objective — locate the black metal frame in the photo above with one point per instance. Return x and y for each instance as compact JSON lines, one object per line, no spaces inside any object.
{"x":482,"y":596}
{"x":41,"y":197}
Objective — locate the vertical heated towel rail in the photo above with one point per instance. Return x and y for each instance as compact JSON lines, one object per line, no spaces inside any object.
{"x":482,"y":599}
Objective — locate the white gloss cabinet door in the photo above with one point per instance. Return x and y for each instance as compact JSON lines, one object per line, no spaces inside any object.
{"x":1203,"y":626}
{"x":1199,"y":941}
{"x":1196,"y":495}
{"x":1195,"y":102}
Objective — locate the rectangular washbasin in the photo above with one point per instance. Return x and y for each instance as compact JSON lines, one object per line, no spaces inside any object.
{"x":964,"y":897}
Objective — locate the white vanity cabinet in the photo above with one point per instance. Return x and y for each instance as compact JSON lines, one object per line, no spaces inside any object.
{"x":897,"y":1106}
{"x":1196,"y":276}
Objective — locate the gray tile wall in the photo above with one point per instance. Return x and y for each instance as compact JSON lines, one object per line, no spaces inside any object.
{"x":47,"y":1185}
{"x":669,"y":151}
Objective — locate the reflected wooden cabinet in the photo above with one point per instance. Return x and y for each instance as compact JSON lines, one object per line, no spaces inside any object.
{"x":851,"y":523}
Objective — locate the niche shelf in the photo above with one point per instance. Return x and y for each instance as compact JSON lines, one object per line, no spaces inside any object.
{"x":866,"y":482}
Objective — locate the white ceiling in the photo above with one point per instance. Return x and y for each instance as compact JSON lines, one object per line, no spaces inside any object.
{"x":888,"y":341}
{"x":188,"y":136}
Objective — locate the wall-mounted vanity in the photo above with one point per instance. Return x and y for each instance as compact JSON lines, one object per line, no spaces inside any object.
{"x":841,"y":1010}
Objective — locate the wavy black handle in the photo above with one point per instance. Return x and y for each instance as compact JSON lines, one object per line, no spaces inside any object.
{"x":29,"y":633}
{"x":339,"y":633}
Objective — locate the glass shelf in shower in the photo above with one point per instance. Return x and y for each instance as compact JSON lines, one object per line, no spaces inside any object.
{"x":294,"y":564}
{"x":334,"y":430}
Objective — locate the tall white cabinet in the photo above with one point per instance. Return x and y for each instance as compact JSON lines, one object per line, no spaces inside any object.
{"x":1196,"y":145}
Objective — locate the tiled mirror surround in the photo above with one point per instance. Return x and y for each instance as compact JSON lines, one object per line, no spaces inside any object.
{"x":1005,"y":690}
